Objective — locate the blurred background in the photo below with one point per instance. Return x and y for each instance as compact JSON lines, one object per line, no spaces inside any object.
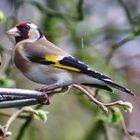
{"x":105,"y":35}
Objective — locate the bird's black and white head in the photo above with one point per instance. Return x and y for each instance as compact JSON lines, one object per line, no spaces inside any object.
{"x":27,"y":32}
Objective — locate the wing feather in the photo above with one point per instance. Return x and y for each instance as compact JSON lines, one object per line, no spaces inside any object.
{"x":71,"y":64}
{"x":67,"y":63}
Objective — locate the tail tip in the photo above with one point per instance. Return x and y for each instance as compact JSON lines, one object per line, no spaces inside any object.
{"x":130,"y":92}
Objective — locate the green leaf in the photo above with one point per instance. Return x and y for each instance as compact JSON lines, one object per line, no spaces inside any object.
{"x":40,"y":115}
{"x":116,"y":115}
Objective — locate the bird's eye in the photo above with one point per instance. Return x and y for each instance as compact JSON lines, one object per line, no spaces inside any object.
{"x":25,"y":28}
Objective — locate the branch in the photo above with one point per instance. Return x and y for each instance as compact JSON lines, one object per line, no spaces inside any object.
{"x":127,"y":106}
{"x":14,"y":116}
{"x":4,"y":129}
{"x":80,"y":11}
{"x":135,"y":30}
{"x":50,"y":11}
{"x":26,"y":124}
{"x":127,"y":11}
{"x":32,"y":97}
{"x":23,"y":97}
{"x":118,"y":44}
{"x":125,"y":129}
{"x":20,"y":92}
{"x":18,"y":103}
{"x":36,"y":96}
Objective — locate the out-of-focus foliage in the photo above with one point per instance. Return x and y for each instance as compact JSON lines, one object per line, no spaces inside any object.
{"x":96,"y":32}
{"x":5,"y":82}
{"x":2,"y":17}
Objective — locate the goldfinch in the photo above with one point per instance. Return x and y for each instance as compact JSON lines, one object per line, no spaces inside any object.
{"x":43,"y":62}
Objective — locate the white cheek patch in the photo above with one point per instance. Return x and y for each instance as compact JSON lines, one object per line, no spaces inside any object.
{"x":31,"y":25}
{"x":33,"y":35}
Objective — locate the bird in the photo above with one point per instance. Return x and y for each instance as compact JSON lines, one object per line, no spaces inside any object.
{"x":44,"y":62}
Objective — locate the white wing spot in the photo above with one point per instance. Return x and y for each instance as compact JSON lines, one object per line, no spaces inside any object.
{"x":109,"y":80}
{"x":100,"y":73}
{"x":80,"y":62}
{"x":88,"y":68}
{"x":59,"y":58}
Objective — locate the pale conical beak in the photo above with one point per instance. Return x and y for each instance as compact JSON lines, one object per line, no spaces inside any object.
{"x":14,"y":31}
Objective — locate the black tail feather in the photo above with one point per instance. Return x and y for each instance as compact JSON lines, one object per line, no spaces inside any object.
{"x":107,"y":80}
{"x":117,"y":86}
{"x":104,"y":87}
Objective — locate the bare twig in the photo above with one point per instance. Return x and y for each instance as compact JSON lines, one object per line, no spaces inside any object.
{"x":26,"y":124}
{"x":15,"y":115}
{"x":87,"y":93}
{"x":125,"y":129}
{"x":50,"y":11}
{"x":90,"y":95}
{"x":135,"y":31}
{"x":127,"y":11}
{"x":102,"y":105}
{"x":5,"y":128}
{"x":116,"y":45}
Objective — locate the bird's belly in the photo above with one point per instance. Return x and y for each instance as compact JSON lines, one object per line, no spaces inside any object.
{"x":48,"y":78}
{"x":39,"y":77}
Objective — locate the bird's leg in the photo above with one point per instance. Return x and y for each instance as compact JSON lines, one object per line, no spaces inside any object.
{"x":61,"y":90}
{"x":49,"y":88}
{"x":53,"y":89}
{"x":64,"y":88}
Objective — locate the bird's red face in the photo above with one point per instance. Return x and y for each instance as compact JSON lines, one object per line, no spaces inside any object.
{"x":25,"y":31}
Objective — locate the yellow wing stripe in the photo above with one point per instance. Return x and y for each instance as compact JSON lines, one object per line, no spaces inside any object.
{"x":53,"y":58}
{"x":65,"y":67}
